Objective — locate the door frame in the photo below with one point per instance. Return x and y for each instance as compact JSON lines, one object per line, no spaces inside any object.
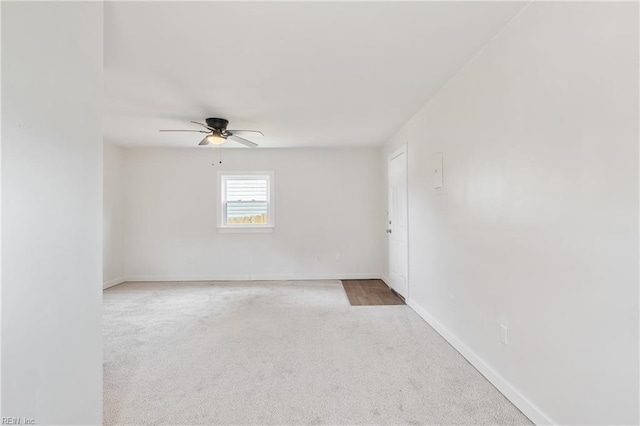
{"x":401,"y":150}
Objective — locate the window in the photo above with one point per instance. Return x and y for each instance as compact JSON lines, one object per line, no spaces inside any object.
{"x":246,"y":201}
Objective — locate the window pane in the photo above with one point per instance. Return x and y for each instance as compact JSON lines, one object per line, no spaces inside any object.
{"x":247,"y":189}
{"x":247,"y":212}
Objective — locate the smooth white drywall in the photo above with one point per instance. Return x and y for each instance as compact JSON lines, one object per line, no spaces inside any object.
{"x":113,"y":215}
{"x":0,"y":217}
{"x":536,"y":226}
{"x":52,"y":211}
{"x":327,"y":210}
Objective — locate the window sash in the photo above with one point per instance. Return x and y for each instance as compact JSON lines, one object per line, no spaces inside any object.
{"x":247,"y":189}
{"x":246,"y":213}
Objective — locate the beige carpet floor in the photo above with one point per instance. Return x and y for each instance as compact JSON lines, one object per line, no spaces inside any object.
{"x":281,"y":353}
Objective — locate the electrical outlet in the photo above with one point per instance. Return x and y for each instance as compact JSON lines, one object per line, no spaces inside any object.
{"x":504,"y":335}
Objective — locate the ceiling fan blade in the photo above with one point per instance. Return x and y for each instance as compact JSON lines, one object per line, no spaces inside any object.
{"x":203,"y":125}
{"x":199,"y":131}
{"x":243,"y":141}
{"x":246,"y":131}
{"x":204,"y":142}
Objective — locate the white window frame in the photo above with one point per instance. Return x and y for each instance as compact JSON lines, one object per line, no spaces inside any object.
{"x":251,"y":227}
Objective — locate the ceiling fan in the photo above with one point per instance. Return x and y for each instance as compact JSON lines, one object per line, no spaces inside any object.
{"x":217,"y":133}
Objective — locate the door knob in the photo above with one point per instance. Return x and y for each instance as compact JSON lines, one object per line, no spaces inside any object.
{"x":388,"y":231}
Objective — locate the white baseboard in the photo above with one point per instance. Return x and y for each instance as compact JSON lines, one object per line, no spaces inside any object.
{"x":111,"y":283}
{"x":257,"y":277}
{"x":512,"y":394}
{"x":386,"y":280}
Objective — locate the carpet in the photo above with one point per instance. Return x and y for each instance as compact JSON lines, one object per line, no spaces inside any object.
{"x":290,"y":352}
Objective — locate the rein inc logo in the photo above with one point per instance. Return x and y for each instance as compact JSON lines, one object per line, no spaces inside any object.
{"x":17,"y":421}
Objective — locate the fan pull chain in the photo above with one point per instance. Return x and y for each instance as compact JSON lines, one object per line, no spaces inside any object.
{"x":219,"y":154}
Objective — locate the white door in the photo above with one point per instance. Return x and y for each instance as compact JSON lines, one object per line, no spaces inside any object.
{"x":397,"y":223}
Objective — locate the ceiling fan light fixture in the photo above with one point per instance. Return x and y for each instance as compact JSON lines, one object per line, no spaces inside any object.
{"x":216,"y":139}
{"x":217,"y":133}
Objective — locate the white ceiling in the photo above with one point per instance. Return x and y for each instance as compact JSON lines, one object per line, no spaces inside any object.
{"x":306,"y":73}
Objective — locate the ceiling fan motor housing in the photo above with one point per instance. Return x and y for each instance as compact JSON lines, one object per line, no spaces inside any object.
{"x":217,"y":123}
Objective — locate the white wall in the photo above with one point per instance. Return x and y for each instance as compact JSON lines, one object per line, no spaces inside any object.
{"x":537,"y":224}
{"x":113,"y":215}
{"x":52,"y":211}
{"x":327,"y":204}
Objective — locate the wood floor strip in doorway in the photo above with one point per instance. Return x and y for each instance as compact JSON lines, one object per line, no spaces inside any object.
{"x":370,"y":293}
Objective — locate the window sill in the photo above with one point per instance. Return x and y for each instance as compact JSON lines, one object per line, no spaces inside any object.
{"x":245,"y":229}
